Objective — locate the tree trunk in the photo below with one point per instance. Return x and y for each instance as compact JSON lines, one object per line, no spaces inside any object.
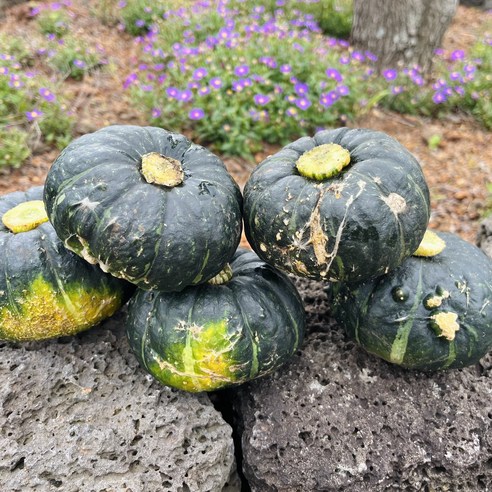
{"x":401,"y":33}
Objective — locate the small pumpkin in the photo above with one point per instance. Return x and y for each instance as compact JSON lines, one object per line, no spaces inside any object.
{"x":433,"y":312}
{"x":242,"y":324}
{"x":47,"y":291}
{"x":146,"y":205}
{"x":345,"y":205}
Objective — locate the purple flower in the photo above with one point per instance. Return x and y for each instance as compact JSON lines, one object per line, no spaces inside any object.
{"x":344,"y":60}
{"x":397,"y":89}
{"x":291,"y":111}
{"x":302,"y":103}
{"x":343,"y":90}
{"x":333,"y":73}
{"x":301,"y":88}
{"x":203,"y":91}
{"x":172,"y":92}
{"x":140,"y":23}
{"x":241,"y":70}
{"x":121,"y":4}
{"x":357,"y":55}
{"x":4,"y":70}
{"x":439,"y":97}
{"x":196,"y":114}
{"x":147,"y":87}
{"x":371,"y":56}
{"x":216,"y":83}
{"x":285,"y":68}
{"x":130,"y":80}
{"x":34,"y":114}
{"x":193,"y":85}
{"x":261,"y":99}
{"x":156,"y":112}
{"x":237,"y":85}
{"x":47,"y":94}
{"x":185,"y":95}
{"x":199,"y":73}
{"x":390,"y":74}
{"x":457,"y":55}
{"x":15,"y":82}
{"x":268,"y":61}
{"x":79,"y":63}
{"x":328,"y":98}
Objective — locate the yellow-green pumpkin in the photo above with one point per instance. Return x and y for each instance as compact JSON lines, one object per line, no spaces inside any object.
{"x":47,"y":291}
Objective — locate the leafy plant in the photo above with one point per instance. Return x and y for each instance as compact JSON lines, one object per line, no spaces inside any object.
{"x":54,"y":22}
{"x":75,"y":59}
{"x":29,"y":105}
{"x":14,"y":149}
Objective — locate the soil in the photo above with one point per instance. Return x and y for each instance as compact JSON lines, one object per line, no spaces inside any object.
{"x":457,"y":171}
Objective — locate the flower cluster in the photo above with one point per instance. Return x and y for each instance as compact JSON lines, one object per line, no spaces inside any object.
{"x":238,"y":74}
{"x":28,"y":105}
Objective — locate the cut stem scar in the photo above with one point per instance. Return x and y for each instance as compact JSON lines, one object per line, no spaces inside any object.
{"x":25,"y":216}
{"x":222,"y":277}
{"x":162,"y":170}
{"x":431,"y":245}
{"x":323,"y":162}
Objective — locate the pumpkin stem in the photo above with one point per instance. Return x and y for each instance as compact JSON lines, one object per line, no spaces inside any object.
{"x":25,"y":216}
{"x":162,"y":170}
{"x":431,"y":245}
{"x":222,"y":277}
{"x":323,"y":162}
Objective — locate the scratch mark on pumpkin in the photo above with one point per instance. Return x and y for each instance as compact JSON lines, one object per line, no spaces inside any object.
{"x":317,"y":236}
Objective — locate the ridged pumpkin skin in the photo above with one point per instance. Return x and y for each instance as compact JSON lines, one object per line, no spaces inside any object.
{"x":351,"y":227}
{"x":212,"y":336}
{"x":154,"y":236}
{"x":47,"y":291}
{"x":394,"y":316}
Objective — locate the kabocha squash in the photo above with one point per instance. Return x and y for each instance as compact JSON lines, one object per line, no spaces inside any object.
{"x":145,"y":205}
{"x":242,"y":324}
{"x":433,"y":312}
{"x":346,"y":205}
{"x":47,"y":291}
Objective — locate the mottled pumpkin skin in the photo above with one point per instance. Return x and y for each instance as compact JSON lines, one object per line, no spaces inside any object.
{"x":47,"y":291}
{"x":391,"y":316}
{"x":151,"y":235}
{"x":354,"y":226}
{"x":213,"y":336}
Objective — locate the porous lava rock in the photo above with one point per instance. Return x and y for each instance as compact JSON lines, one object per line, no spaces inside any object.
{"x":78,"y":414}
{"x":484,"y":239}
{"x":339,"y":419}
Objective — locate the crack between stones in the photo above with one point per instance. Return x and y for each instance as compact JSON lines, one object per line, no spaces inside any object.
{"x":223,"y":402}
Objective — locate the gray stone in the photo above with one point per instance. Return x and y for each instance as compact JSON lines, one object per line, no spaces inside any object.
{"x":484,"y":239}
{"x":79,"y":414}
{"x":339,"y":419}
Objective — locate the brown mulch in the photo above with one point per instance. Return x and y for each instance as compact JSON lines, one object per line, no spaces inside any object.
{"x":457,"y":171}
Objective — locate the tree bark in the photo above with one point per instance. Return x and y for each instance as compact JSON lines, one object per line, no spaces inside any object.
{"x":401,"y":33}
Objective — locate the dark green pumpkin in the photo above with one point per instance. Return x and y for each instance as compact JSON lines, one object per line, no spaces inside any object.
{"x":359,"y":223}
{"x":47,"y":291}
{"x":156,"y":236}
{"x":212,"y":336}
{"x":430,"y":313}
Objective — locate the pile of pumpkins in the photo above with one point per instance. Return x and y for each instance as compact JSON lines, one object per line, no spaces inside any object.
{"x":145,"y":215}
